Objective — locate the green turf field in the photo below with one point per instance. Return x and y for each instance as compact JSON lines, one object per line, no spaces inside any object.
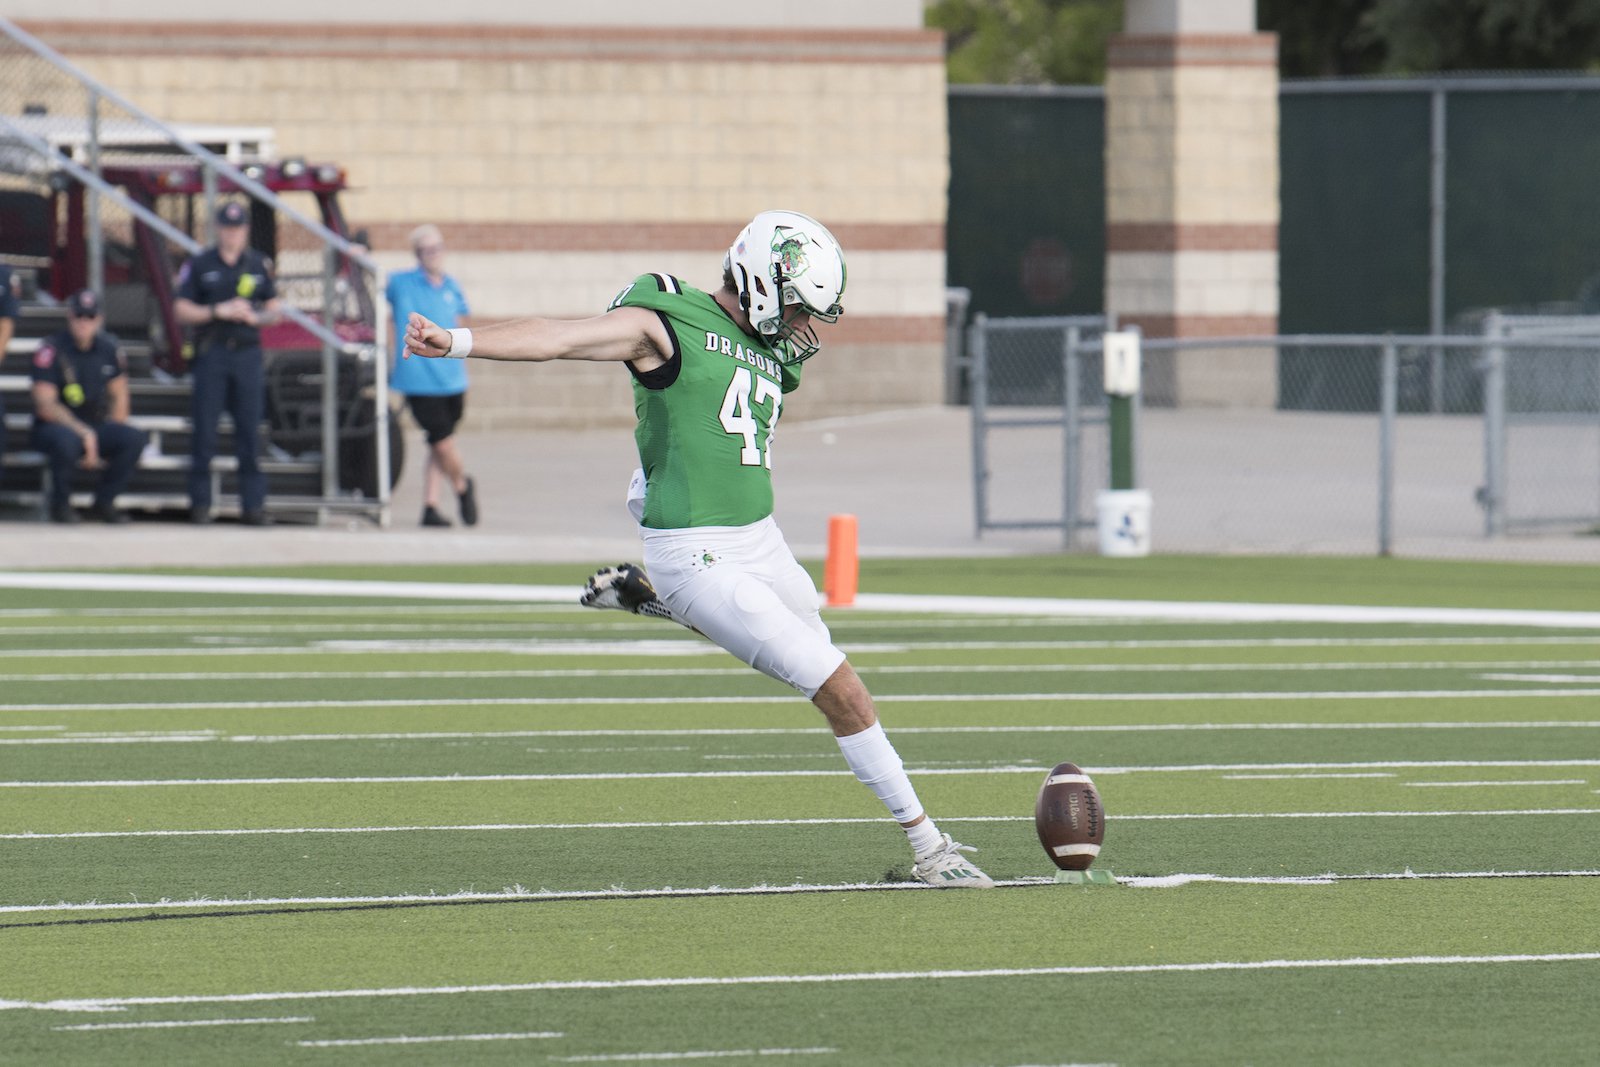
{"x":254,"y":828}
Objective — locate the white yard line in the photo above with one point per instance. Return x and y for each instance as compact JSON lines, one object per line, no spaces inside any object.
{"x":892,"y":698}
{"x":622,"y":776}
{"x":1308,"y":774}
{"x":183,"y":1024}
{"x":1191,"y":611}
{"x":438,"y":1039}
{"x":336,"y":610}
{"x":1476,"y":785}
{"x":687,"y":645}
{"x":202,"y":583}
{"x":514,"y":894}
{"x":78,"y":678}
{"x":112,"y":1003}
{"x":530,"y":646}
{"x":681,"y":824}
{"x":207,"y":627}
{"x":693,"y":1054}
{"x":147,"y":737}
{"x":1558,"y":679}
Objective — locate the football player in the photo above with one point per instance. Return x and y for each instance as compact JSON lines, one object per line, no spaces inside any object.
{"x":710,"y":373}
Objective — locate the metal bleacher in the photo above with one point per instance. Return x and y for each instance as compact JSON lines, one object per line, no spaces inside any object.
{"x":160,"y":407}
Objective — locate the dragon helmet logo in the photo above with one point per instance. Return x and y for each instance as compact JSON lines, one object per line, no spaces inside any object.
{"x":788,"y":251}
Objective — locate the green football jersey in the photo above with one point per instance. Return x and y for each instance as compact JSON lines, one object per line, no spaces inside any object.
{"x":705,"y":419}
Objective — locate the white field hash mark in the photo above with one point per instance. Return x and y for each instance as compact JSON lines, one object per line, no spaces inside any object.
{"x":697,"y":824}
{"x":518,"y":894}
{"x":618,"y":776}
{"x":114,"y":1003}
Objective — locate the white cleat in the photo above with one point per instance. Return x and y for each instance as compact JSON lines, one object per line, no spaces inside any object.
{"x":949,"y":869}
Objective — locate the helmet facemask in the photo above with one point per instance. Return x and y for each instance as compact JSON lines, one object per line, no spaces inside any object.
{"x":785,"y":259}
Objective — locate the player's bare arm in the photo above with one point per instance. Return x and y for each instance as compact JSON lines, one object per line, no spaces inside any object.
{"x":626,"y":334}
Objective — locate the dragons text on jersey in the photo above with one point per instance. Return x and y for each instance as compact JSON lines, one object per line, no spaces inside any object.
{"x":715,"y":342}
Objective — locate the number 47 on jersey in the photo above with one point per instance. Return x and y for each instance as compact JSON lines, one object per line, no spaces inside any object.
{"x":745,"y":392}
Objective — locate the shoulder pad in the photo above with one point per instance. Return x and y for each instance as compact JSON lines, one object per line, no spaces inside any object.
{"x":642,"y":289}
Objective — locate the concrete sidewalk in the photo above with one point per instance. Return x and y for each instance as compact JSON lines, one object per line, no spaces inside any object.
{"x":558,"y":496}
{"x":1222,"y":482}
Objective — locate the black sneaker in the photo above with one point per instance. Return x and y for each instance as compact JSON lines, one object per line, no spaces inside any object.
{"x":468,"y":498}
{"x":200,"y":516}
{"x":431,"y":517}
{"x":107,"y":513}
{"x":256,"y":518}
{"x":63,"y":514}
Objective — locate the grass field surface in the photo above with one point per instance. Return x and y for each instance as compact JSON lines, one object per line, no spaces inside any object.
{"x":250,"y":827}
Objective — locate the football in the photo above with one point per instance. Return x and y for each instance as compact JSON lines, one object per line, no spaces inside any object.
{"x":1069,"y":818}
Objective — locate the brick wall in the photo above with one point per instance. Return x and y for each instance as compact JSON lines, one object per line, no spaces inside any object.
{"x":562,"y":161}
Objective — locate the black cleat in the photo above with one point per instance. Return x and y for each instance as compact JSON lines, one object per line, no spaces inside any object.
{"x":624,"y":587}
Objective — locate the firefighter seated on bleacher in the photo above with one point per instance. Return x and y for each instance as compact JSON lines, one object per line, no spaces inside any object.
{"x":80,"y":411}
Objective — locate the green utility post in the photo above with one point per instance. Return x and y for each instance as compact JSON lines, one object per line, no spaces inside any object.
{"x":1122,"y":384}
{"x":1124,"y":510}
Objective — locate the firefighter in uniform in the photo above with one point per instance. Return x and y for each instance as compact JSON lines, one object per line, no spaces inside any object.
{"x":80,"y":410}
{"x":227,"y":292}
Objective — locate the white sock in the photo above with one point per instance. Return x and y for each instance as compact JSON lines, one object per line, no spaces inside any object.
{"x":925,"y":838}
{"x":877,"y":766}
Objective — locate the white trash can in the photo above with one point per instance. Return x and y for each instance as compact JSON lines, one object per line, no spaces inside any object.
{"x":1124,"y":522}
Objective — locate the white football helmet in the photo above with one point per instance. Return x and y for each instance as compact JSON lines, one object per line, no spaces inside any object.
{"x":784,"y":257}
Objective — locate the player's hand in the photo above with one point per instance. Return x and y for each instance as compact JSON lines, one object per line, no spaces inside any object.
{"x":91,"y":452}
{"x":423,"y":338}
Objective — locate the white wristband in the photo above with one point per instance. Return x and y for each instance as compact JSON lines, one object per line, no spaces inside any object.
{"x":460,"y":344}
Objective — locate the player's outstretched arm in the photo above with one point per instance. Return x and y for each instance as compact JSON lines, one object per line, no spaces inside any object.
{"x":628,"y":333}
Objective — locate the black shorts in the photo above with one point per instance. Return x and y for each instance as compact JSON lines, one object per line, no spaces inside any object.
{"x":438,"y":415}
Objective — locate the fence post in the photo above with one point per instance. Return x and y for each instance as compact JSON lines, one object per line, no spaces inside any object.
{"x":1072,"y":439}
{"x":382,"y":346}
{"x":1388,"y":388}
{"x":1438,"y":204}
{"x":978,"y":348}
{"x":1492,"y":495}
{"x":96,"y":234}
{"x":330,"y":381}
{"x":956,"y":302}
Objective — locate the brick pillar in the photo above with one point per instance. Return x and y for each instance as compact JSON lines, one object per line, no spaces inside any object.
{"x":1192,"y":194}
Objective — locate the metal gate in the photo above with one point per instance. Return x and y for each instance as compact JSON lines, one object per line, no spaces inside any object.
{"x":1541,"y":421}
{"x":1039,"y":428}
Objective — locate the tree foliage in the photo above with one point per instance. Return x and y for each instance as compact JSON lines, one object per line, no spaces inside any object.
{"x":1434,"y":35}
{"x":1026,"y":42}
{"x":1030,"y":42}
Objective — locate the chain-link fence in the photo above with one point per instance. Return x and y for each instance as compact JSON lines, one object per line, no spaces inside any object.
{"x":96,"y":193}
{"x":1430,"y":444}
